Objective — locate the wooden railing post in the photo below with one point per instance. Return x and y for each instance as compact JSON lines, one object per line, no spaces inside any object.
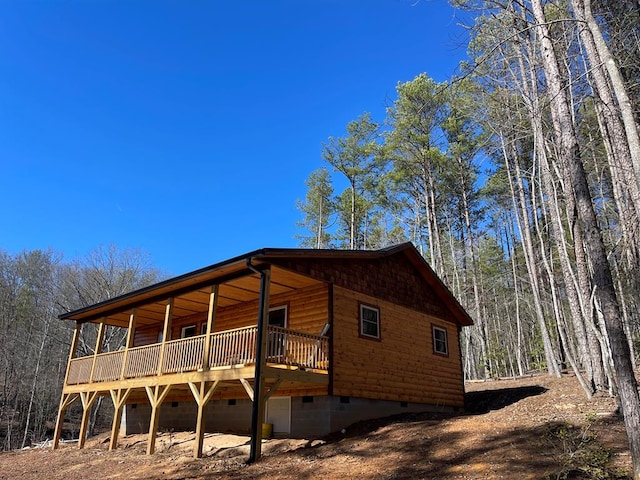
{"x":211,"y":317}
{"x":73,"y":350}
{"x":129,"y":344}
{"x":166,"y":332}
{"x":98,"y":349}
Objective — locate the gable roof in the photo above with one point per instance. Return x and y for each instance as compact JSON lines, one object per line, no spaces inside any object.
{"x":292,"y":268}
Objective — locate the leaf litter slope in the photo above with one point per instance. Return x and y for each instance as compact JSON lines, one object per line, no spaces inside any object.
{"x":513,"y":429}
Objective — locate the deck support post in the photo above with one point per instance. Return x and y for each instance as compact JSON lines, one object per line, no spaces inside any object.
{"x":249,"y":389}
{"x":257,"y":410}
{"x":87,"y":402}
{"x":119,"y":398}
{"x":202,"y":394}
{"x":64,"y":403}
{"x":156,"y":396}
{"x":211,"y":318}
{"x":273,"y":388}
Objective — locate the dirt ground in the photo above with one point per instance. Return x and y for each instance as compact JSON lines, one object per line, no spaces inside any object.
{"x":529,"y":428}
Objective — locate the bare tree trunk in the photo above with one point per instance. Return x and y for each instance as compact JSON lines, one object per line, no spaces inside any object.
{"x":518,"y":320}
{"x":532,"y":267}
{"x":529,"y":86}
{"x":470,"y":252}
{"x":579,"y":331}
{"x":352,"y":232}
{"x":603,"y":280}
{"x":595,"y":348}
{"x":582,"y":9}
{"x":34,"y":384}
{"x":623,"y":138}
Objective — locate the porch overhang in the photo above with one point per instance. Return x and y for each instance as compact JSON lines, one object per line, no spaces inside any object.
{"x":190,"y":293}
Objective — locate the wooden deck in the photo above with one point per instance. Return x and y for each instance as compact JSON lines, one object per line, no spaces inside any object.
{"x":238,"y":353}
{"x":229,"y":351}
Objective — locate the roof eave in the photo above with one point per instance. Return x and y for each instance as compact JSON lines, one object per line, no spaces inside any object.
{"x":161,"y":285}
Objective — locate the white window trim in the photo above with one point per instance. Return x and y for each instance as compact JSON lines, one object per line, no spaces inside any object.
{"x":375,"y":309}
{"x":183,"y":330}
{"x":446,"y":340}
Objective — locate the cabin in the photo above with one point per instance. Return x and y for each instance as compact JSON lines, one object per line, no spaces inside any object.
{"x":305,"y":342}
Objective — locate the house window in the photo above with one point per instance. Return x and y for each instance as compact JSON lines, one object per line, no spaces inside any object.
{"x":188,"y":331}
{"x":440,"y":345}
{"x":278,"y":316}
{"x":369,"y":321}
{"x":203,"y":328}
{"x":276,"y":343}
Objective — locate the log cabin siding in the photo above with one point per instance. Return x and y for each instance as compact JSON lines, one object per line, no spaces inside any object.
{"x":394,"y":279}
{"x":401,"y":366}
{"x":308,"y":311}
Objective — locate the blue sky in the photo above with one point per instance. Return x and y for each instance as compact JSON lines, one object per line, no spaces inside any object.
{"x":187,"y":129}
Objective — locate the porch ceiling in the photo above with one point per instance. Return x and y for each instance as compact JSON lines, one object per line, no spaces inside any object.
{"x":190,"y":296}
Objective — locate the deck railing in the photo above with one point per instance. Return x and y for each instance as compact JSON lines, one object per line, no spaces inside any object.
{"x":142,"y":361}
{"x":227,"y":348}
{"x":298,"y":349}
{"x":79,"y":370}
{"x":108,"y":366}
{"x":183,"y":355}
{"x":233,"y":347}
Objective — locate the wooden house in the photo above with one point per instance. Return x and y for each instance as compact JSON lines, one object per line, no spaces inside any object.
{"x":309,"y":341}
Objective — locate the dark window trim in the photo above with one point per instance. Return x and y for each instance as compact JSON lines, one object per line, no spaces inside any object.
{"x":361,"y":334}
{"x":433,"y":339}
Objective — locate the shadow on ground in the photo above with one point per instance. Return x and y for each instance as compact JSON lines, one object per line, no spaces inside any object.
{"x":439,"y":446}
{"x":428,"y":450}
{"x":487,"y":400}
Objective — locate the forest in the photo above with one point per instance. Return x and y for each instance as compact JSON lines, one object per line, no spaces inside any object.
{"x":36,"y":286}
{"x":518,"y":179}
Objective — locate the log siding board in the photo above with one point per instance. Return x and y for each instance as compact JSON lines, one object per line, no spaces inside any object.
{"x":402,"y":366}
{"x":394,"y":279}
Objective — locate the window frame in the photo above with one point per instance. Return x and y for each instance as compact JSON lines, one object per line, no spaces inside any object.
{"x":183,"y":330}
{"x":435,"y":341}
{"x":285,"y":307}
{"x":361,"y":321}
